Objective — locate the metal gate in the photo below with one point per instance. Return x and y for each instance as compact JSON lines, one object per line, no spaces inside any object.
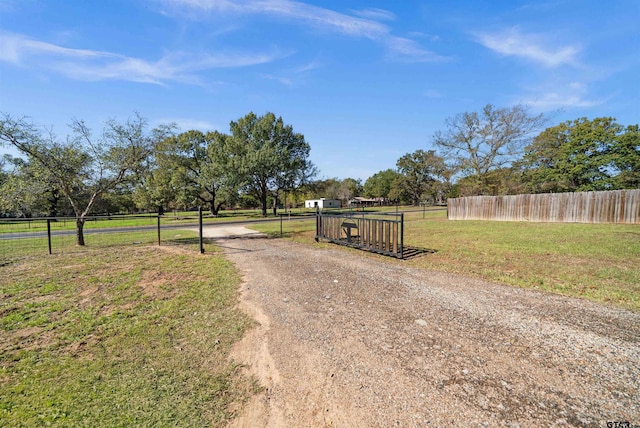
{"x":377,"y":232}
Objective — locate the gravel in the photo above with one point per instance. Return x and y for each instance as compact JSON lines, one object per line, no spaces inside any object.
{"x":352,"y":339}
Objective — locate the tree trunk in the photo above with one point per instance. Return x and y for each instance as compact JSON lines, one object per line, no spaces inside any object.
{"x":80,"y":231}
{"x":264,"y":205}
{"x":53,"y":204}
{"x":215,"y":210}
{"x":275,"y":205}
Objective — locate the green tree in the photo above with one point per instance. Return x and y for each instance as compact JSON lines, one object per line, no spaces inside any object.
{"x":502,"y":181}
{"x":478,"y":143}
{"x":82,"y":167}
{"x":625,"y":158}
{"x":326,"y":188}
{"x":154,"y":190}
{"x":268,"y":157}
{"x":420,"y":172}
{"x":31,"y":190}
{"x":380,"y":184}
{"x":348,"y":189}
{"x":196,"y":167}
{"x":583,"y":155}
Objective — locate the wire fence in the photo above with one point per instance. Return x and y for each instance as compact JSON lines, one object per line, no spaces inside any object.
{"x":41,"y":236}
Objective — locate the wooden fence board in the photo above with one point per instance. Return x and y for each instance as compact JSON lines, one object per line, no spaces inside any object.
{"x":615,"y":206}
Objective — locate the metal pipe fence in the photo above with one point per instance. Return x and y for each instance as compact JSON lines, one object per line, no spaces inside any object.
{"x":41,"y":236}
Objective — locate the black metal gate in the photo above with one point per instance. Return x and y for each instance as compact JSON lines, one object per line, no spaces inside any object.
{"x":377,"y":232}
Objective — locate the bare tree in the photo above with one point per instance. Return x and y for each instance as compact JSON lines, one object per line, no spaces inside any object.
{"x":481,"y":142}
{"x":83,"y":168}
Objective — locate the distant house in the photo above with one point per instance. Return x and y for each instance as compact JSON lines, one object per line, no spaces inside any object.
{"x":322,"y":203}
{"x":368,"y":202}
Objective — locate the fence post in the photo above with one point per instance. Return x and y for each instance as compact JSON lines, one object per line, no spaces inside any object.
{"x":49,"y":234}
{"x":281,"y":225}
{"x":158,"y":229}
{"x":402,"y":235}
{"x":200,"y":229}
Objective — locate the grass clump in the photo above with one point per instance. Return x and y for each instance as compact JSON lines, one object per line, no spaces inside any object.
{"x":117,"y":337}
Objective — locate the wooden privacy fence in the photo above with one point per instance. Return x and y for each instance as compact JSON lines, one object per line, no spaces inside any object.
{"x":382,"y":234}
{"x":615,"y":206}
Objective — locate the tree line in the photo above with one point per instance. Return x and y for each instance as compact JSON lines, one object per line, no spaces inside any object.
{"x":501,"y":151}
{"x":128,"y":166}
{"x":261,"y":162}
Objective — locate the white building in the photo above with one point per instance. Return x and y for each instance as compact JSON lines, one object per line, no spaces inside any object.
{"x":322,"y":203}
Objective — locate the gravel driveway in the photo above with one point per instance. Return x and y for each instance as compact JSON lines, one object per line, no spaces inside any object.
{"x":352,"y":340}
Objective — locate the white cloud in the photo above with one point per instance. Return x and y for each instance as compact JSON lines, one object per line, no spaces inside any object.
{"x":284,"y":80}
{"x":94,"y":65}
{"x":375,"y":13}
{"x":557,"y":95}
{"x":533,"y":47}
{"x":421,"y":35}
{"x":15,"y":48}
{"x":402,"y":48}
{"x":363,"y":25}
{"x":323,"y":18}
{"x":554,"y":100}
{"x":308,"y":67}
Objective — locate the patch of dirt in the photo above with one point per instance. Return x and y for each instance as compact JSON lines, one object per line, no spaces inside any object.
{"x":174,"y":249}
{"x":253,"y":351}
{"x":347,"y":340}
{"x":229,"y":232}
{"x":158,"y":285}
{"x":87,"y":294}
{"x":23,"y":333}
{"x":108,"y":310}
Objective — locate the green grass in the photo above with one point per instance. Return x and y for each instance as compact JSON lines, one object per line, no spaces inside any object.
{"x":595,"y":261}
{"x":600,"y":262}
{"x":17,"y":248}
{"x":40,"y":225}
{"x":134,"y":337}
{"x":139,"y":335}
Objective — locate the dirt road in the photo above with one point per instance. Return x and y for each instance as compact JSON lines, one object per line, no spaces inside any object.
{"x":351,"y":340}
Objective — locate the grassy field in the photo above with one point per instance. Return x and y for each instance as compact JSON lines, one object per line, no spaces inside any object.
{"x":134,"y":337}
{"x":121,"y":334}
{"x":597,"y":262}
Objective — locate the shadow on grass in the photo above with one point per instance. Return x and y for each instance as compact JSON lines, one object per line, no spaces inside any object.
{"x":183,"y":241}
{"x":411,"y":252}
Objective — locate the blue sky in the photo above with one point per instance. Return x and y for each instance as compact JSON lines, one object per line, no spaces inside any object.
{"x":364,"y":81}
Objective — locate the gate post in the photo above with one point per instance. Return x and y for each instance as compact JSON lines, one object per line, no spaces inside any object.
{"x":402,"y":235}
{"x":200,"y":229}
{"x":49,"y":234}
